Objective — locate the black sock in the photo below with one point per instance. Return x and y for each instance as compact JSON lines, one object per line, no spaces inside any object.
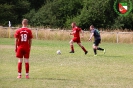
{"x":100,"y":48}
{"x":95,"y":51}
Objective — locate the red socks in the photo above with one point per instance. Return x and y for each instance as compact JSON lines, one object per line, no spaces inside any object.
{"x":72,"y":48}
{"x":19,"y":67}
{"x":27,"y":67}
{"x":83,"y":49}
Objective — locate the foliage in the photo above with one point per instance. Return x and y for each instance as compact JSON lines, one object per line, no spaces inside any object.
{"x":96,"y":13}
{"x":123,"y":22}
{"x":60,"y":13}
{"x":55,"y":13}
{"x":6,"y":14}
{"x":13,"y":11}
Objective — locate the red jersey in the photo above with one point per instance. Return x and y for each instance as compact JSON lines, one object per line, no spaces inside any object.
{"x":76,"y":31}
{"x":23,"y":35}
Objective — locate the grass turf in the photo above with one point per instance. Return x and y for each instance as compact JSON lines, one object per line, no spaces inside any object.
{"x":49,"y":70}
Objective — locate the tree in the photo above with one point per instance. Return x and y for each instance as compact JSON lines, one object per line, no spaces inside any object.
{"x":100,"y":14}
{"x":61,"y":13}
{"x":6,"y":14}
{"x":55,"y":13}
{"x":35,"y":4}
{"x":13,"y":11}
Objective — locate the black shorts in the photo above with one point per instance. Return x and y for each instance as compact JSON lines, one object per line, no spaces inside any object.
{"x":97,"y":42}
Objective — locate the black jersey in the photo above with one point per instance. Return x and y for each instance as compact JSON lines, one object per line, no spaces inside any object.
{"x":96,"y":34}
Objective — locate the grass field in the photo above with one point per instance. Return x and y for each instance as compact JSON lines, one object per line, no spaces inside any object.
{"x":49,"y":70}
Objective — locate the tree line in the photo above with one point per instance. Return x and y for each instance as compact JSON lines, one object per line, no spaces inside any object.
{"x":60,"y":13}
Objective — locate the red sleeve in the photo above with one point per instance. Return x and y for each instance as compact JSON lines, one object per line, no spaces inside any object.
{"x":31,"y":36}
{"x":16,"y":34}
{"x":79,"y":29}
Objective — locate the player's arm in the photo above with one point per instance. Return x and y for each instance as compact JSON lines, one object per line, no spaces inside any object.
{"x":82,"y":33}
{"x":30,"y":42}
{"x":30,"y":39}
{"x":16,"y":42}
{"x":91,"y":36}
{"x":73,"y":32}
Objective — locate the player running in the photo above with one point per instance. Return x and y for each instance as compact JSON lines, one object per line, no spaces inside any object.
{"x":76,"y":33}
{"x":23,"y":39}
{"x":97,"y":38}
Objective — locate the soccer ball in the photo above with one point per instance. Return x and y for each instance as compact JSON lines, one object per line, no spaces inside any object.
{"x":58,"y":52}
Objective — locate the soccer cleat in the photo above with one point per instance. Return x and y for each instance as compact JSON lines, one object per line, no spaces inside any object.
{"x":71,"y":52}
{"x":19,"y":76}
{"x":95,"y":55}
{"x":27,"y":76}
{"x":104,"y":51}
{"x":86,"y":52}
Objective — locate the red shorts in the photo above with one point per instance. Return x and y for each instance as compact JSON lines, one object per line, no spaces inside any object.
{"x":23,"y":52}
{"x":76,"y":39}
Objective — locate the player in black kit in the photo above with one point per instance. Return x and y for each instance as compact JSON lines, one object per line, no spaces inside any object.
{"x":95,"y":32}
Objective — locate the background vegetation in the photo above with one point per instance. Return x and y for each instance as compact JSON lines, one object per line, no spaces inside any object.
{"x":60,"y":13}
{"x":64,"y":35}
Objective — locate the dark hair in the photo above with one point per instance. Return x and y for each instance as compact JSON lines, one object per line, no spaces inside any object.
{"x":74,"y":23}
{"x":92,"y":26}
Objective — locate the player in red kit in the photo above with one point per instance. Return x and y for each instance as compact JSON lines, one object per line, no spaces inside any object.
{"x":76,"y":33}
{"x":23,"y":39}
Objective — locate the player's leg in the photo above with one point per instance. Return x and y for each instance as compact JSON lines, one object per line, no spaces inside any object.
{"x":101,"y":49}
{"x":98,"y":48}
{"x":20,"y":60}
{"x":82,"y":48}
{"x":95,"y":46}
{"x":95,"y":49}
{"x":26,"y":60}
{"x":19,"y":55}
{"x":71,"y":46}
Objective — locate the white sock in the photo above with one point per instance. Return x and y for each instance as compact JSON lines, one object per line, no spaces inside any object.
{"x":19,"y":73}
{"x":27,"y":73}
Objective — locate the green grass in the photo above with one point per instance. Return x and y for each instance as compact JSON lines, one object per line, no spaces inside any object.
{"x":49,"y":70}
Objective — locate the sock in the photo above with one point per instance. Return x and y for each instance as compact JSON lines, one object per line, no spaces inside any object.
{"x":72,"y":48}
{"x":95,"y":51}
{"x":100,"y":48}
{"x":27,"y":67}
{"x":83,"y":49}
{"x":19,"y":67}
{"x":27,"y":73}
{"x":19,"y":73}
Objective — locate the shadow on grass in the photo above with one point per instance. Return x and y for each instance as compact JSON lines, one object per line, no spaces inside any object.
{"x":104,"y":55}
{"x":31,"y":78}
{"x":113,"y":56}
{"x":59,"y":79}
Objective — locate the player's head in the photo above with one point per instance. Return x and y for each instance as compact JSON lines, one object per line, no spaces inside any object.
{"x":91,"y":27}
{"x":24,"y":22}
{"x":73,"y":24}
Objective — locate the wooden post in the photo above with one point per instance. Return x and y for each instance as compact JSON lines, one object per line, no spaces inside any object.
{"x":117,"y":37}
{"x":37,"y":33}
{"x":9,"y":29}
